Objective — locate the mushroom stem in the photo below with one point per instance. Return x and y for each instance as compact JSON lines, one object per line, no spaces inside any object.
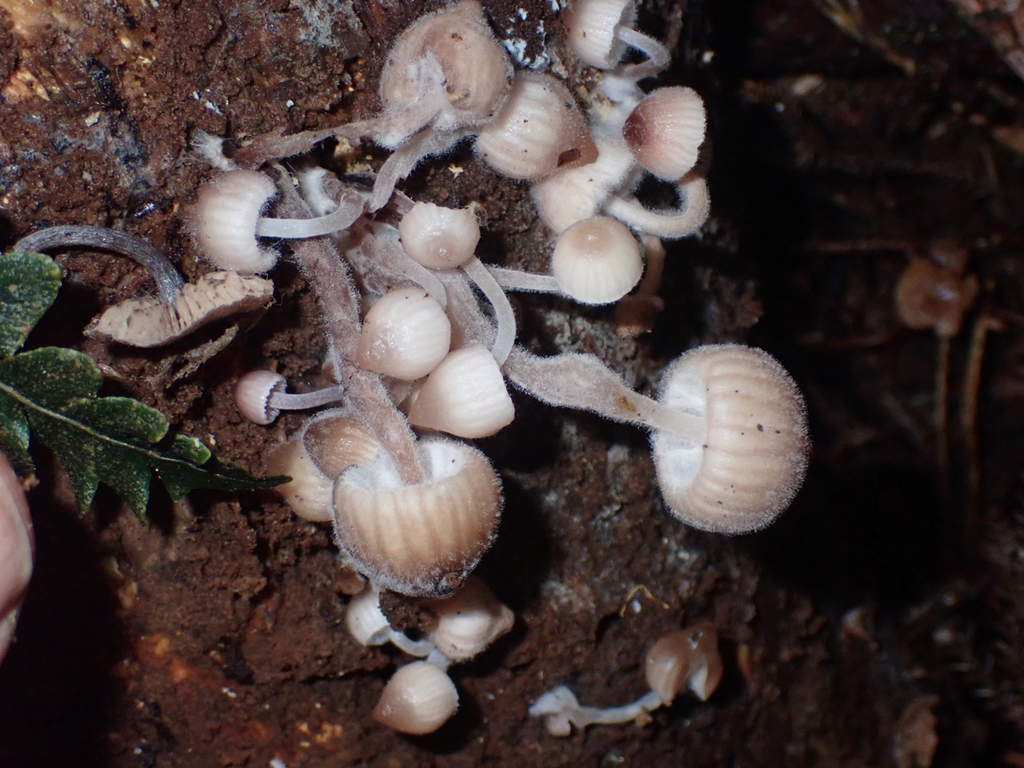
{"x":469,"y":325}
{"x":693,"y":211}
{"x":350,"y":208}
{"x":561,"y":710}
{"x":506,"y":336}
{"x":402,"y":161}
{"x":293,"y":401}
{"x":168,"y":281}
{"x":657,"y":54}
{"x":516,"y":280}
{"x":326,"y":272}
{"x":393,"y":257}
{"x":583,"y":382}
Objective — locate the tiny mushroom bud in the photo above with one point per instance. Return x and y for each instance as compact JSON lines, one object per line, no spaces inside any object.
{"x":750,"y":456}
{"x":929,"y":296}
{"x":260,"y":396}
{"x":16,"y":551}
{"x":404,"y":335}
{"x":464,"y":396}
{"x":437,"y":237}
{"x":418,"y":699}
{"x":469,"y":621}
{"x":687,"y":658}
{"x":665,"y":131}
{"x":597,"y":261}
{"x":537,"y":132}
{"x":420,"y":540}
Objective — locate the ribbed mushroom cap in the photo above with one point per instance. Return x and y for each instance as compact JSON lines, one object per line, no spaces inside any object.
{"x":364,"y":619}
{"x":335,"y":443}
{"x":575,"y":194}
{"x":476,"y":69}
{"x":309,"y":492}
{"x":424,"y":539}
{"x":665,"y":130}
{"x":252,"y":396}
{"x":418,"y":699}
{"x":930,"y":297}
{"x":538,"y":131}
{"x":439,"y":237}
{"x":592,"y":26}
{"x":597,"y":261}
{"x":223,"y":221}
{"x":469,"y":621}
{"x":464,"y":396}
{"x":406,"y":334}
{"x":753,"y":455}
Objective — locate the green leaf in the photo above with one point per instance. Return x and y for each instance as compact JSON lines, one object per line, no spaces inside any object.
{"x":28,"y":285}
{"x":113,"y":440}
{"x":53,"y":394}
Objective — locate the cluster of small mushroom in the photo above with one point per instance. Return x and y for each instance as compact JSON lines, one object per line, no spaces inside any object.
{"x":419,"y":360}
{"x":420,"y":697}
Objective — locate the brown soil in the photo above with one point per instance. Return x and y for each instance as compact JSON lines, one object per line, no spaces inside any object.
{"x":212,"y":636}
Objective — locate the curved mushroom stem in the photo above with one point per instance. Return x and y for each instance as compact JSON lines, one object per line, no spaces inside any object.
{"x":392,"y":256}
{"x":348,"y":210}
{"x":657,"y":54}
{"x":506,"y":336}
{"x":693,"y":212}
{"x":369,"y":626}
{"x":516,"y":280}
{"x":293,"y":401}
{"x":402,"y":161}
{"x":168,"y":281}
{"x":561,"y":710}
{"x":636,"y":313}
{"x":469,"y":324}
{"x":388,"y":129}
{"x":583,"y":382}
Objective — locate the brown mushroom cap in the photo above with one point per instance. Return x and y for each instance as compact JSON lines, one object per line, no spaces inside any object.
{"x":688,"y":658}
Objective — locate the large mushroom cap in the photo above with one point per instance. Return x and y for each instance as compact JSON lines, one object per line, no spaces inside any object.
{"x":753,"y":456}
{"x":421,"y":539}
